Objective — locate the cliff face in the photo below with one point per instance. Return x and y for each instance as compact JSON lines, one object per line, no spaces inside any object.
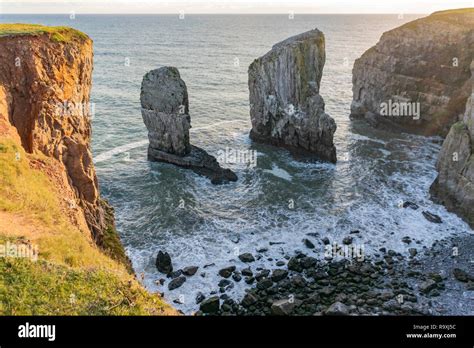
{"x":286,"y":108}
{"x":45,"y":82}
{"x":63,"y":256}
{"x":425,"y":61}
{"x":454,"y":186}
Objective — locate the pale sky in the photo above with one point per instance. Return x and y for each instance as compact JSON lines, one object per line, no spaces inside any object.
{"x":230,"y":6}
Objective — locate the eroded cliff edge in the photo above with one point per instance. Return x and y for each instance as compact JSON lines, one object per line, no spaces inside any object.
{"x":425,"y":64}
{"x":63,"y":252}
{"x":45,"y":86}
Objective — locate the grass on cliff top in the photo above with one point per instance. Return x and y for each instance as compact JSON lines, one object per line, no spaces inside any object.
{"x":57,"y":34}
{"x":448,"y":16}
{"x":68,"y":263}
{"x":42,"y":288}
{"x":30,"y":209}
{"x":454,"y":11}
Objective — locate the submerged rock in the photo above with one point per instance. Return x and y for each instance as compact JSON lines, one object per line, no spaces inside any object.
{"x":165,"y":112}
{"x":432,"y":217}
{"x":410,"y":205}
{"x":462,"y":276}
{"x":286,"y":108}
{"x":418,"y":71}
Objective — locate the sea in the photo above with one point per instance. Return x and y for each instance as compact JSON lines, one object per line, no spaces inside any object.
{"x":278,"y":200}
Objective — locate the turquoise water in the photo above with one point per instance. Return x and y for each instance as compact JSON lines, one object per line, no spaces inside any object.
{"x":159,"y":206}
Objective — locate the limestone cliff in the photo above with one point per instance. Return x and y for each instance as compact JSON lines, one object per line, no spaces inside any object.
{"x":59,"y":251}
{"x":425,"y":64}
{"x":454,"y":186}
{"x":45,"y":83}
{"x":286,"y":108}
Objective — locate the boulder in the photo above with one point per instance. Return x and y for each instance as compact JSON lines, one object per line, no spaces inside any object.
{"x":308,"y":243}
{"x":425,"y":61}
{"x":247,"y":272}
{"x":163,"y":262}
{"x":165,"y":112}
{"x":248,"y":300}
{"x":279,"y":274}
{"x":210,"y":305}
{"x":284,"y":306}
{"x":462,"y":275}
{"x":337,"y":308}
{"x":199,"y":297}
{"x":432,"y":217}
{"x":427,"y":286}
{"x":227,"y":271}
{"x":190,"y":270}
{"x":176,"y":283}
{"x":246,"y":257}
{"x":286,"y":108}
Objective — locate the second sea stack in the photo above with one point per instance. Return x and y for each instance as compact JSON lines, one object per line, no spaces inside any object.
{"x":165,"y":112}
{"x":286,"y":108}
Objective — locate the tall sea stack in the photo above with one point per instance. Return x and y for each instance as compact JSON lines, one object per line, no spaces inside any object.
{"x":165,"y":112}
{"x":286,"y":108}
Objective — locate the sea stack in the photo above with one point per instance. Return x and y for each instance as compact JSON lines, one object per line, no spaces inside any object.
{"x":416,"y":78}
{"x":165,"y":112}
{"x":454,"y":186}
{"x":286,"y":108}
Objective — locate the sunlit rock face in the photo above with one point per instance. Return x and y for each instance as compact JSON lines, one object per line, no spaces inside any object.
{"x":416,"y":78}
{"x":165,"y":112}
{"x":286,"y":108}
{"x":454,"y":186}
{"x":164,"y":99}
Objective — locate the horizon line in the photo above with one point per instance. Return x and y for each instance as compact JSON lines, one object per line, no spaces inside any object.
{"x":214,"y":14}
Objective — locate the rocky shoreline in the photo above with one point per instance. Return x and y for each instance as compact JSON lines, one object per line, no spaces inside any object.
{"x":424,"y":281}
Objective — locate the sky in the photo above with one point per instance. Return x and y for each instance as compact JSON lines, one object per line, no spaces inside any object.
{"x":230,"y":6}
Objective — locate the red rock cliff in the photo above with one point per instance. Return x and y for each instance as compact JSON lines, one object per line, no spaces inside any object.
{"x":45,"y":83}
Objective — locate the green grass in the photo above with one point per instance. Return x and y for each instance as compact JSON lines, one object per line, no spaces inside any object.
{"x":42,"y":288}
{"x":21,"y":189}
{"x":69,"y":262}
{"x":57,"y":34}
{"x":454,"y":11}
{"x":448,"y":16}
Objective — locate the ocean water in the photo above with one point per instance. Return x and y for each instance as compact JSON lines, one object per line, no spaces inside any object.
{"x":278,"y":202}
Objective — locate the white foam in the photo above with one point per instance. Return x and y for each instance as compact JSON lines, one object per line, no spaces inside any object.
{"x":278,"y":172}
